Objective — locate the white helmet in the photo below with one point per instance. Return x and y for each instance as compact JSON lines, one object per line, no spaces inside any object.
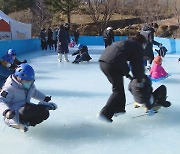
{"x":109,"y":28}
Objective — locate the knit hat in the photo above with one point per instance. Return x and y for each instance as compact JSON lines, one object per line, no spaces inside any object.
{"x":157,"y":59}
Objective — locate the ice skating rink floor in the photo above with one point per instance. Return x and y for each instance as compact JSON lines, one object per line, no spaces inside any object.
{"x":80,"y":91}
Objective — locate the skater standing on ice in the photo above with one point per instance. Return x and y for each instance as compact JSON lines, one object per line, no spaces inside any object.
{"x":76,"y":36}
{"x":43,"y":38}
{"x":50,"y":39}
{"x":113,"y":63}
{"x":147,"y":98}
{"x":108,"y":36}
{"x":63,"y":40}
{"x":55,"y":32}
{"x":148,"y":32}
{"x":15,"y":96}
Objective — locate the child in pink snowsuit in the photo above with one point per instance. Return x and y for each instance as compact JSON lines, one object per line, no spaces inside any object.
{"x":157,"y":71}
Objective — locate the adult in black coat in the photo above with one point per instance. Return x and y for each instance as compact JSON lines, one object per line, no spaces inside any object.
{"x":43,"y":39}
{"x":113,"y":63}
{"x":76,"y":36}
{"x":63,"y":40}
{"x":50,"y":38}
{"x":148,"y":32}
{"x":108,"y":36}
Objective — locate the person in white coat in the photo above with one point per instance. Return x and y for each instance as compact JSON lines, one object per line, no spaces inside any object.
{"x":15,"y":100}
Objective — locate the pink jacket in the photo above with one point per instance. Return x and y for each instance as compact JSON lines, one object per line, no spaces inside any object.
{"x":157,"y":71}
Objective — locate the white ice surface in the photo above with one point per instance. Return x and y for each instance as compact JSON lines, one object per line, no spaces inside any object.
{"x":80,"y":91}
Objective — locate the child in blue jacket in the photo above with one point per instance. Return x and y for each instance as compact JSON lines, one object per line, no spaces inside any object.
{"x":82,"y":54}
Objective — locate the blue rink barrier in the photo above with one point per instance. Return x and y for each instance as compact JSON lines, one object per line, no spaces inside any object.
{"x":97,"y":40}
{"x":31,"y":45}
{"x":20,"y":46}
{"x":172,"y":45}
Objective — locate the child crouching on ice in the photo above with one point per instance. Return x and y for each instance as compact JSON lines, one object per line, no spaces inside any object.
{"x":145,"y":96}
{"x":15,"y":100}
{"x":82,"y":54}
{"x":157,"y":71}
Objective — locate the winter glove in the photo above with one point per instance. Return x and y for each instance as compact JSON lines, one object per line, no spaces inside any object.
{"x":9,"y":114}
{"x":47,"y":98}
{"x":151,"y":112}
{"x":160,"y":45}
{"x":24,"y":61}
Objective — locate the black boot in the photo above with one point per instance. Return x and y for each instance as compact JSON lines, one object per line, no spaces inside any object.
{"x":165,"y":103}
{"x":104,"y":117}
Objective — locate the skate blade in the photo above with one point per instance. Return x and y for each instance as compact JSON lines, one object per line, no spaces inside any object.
{"x":20,"y":127}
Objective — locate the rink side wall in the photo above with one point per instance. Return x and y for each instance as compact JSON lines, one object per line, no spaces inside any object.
{"x":33,"y":45}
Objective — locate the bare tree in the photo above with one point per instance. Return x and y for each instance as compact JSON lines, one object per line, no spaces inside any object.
{"x":101,"y":11}
{"x":177,"y":10}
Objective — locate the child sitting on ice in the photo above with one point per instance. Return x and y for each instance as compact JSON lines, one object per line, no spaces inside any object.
{"x":145,"y":96}
{"x":157,"y":71}
{"x":82,"y":54}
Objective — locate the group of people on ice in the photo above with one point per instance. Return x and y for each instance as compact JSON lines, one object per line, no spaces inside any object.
{"x":134,"y":54}
{"x":59,"y":40}
{"x":18,"y":78}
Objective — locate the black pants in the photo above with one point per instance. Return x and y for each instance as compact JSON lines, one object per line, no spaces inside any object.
{"x":76,"y":40}
{"x":117,"y":100}
{"x":50,"y":44}
{"x":107,"y":42}
{"x":55,"y":44}
{"x":43,"y":44}
{"x":33,"y":114}
{"x":160,"y":94}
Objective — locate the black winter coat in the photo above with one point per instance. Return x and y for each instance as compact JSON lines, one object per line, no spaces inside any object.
{"x":63,"y":39}
{"x":142,"y":95}
{"x":121,"y":52}
{"x":148,"y":33}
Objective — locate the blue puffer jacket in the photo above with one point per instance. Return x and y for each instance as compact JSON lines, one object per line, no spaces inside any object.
{"x":13,"y":96}
{"x":4,"y":73}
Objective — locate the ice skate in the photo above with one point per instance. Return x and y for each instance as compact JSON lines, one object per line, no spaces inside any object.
{"x":13,"y":124}
{"x":165,"y":103}
{"x":137,"y":105}
{"x":21,"y":127}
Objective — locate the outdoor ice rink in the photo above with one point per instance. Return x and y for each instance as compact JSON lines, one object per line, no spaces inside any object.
{"x":80,"y":91}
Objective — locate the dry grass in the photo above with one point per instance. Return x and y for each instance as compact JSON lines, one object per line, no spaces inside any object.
{"x":85,"y":19}
{"x":172,"y":21}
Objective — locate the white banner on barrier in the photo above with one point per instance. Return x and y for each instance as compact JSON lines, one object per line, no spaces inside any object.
{"x":5,"y":35}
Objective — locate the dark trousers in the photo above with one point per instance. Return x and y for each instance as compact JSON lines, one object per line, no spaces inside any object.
{"x":43,"y":44}
{"x":160,"y":94}
{"x":107,"y":42}
{"x":76,"y":40}
{"x":117,"y":100}
{"x":50,"y":43}
{"x":33,"y":114}
{"x":55,"y":44}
